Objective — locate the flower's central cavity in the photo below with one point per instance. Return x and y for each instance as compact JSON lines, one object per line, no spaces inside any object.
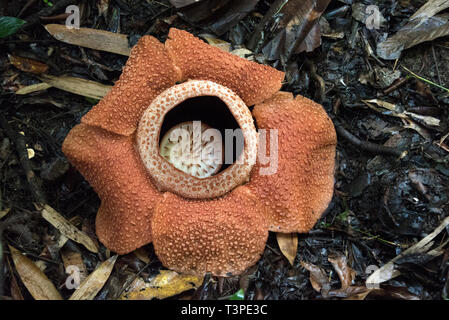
{"x":198,"y":140}
{"x":194,"y":148}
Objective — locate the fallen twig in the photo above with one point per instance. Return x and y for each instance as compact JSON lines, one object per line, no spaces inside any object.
{"x":21,"y":149}
{"x":368,"y":146}
{"x":35,"y":17}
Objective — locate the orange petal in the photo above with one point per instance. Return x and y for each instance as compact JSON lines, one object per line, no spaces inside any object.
{"x":253,"y":82}
{"x":148,"y":71}
{"x":301,"y":189}
{"x":113,"y":168}
{"x":223,"y":236}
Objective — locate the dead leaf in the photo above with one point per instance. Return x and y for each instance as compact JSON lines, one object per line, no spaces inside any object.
{"x":298,"y":29}
{"x":244,"y":53}
{"x":4,"y":212}
{"x":430,"y":8}
{"x":217,"y":16}
{"x":103,"y":6}
{"x":288,"y":243}
{"x":215,"y":42}
{"x":183,"y":3}
{"x":388,"y":271}
{"x":28,"y":65}
{"x":413,"y":33}
{"x":359,"y":296}
{"x":16,"y":293}
{"x":345,"y":273}
{"x":74,"y":259}
{"x":142,"y":254}
{"x":91,"y":38}
{"x":90,"y":287}
{"x":426,"y":120}
{"x":82,"y":87}
{"x":318,"y":277}
{"x":33,"y":88}
{"x":37,"y":283}
{"x":66,"y":228}
{"x":166,"y":284}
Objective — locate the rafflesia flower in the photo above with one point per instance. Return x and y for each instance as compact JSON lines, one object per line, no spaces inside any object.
{"x":202,"y":218}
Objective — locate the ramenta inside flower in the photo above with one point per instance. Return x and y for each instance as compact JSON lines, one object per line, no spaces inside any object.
{"x":182,"y":176}
{"x":194,"y":148}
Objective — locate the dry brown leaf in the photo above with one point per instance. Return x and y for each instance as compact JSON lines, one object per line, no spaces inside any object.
{"x":288,"y":243}
{"x":388,"y":271}
{"x":297,"y":30}
{"x":37,"y":283}
{"x":66,"y":228}
{"x":414,"y":32}
{"x":345,"y":273}
{"x":91,"y":38}
{"x":73,"y":258}
{"x":427,"y":120}
{"x":384,"y":104}
{"x":318,"y":277}
{"x":33,"y":88}
{"x":90,"y":287}
{"x":16,"y":293}
{"x":28,"y":65}
{"x":82,"y":87}
{"x":215,"y":42}
{"x":166,"y":284}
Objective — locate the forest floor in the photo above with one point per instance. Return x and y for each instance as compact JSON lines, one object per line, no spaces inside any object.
{"x":388,"y":195}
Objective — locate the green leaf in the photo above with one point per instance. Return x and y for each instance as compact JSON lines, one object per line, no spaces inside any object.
{"x":9,"y":26}
{"x":239,"y":295}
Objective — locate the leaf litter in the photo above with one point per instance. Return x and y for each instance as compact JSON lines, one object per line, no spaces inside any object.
{"x":325,"y":47}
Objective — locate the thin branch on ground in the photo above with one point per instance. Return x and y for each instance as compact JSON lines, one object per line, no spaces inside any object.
{"x":368,"y":146}
{"x":21,"y":149}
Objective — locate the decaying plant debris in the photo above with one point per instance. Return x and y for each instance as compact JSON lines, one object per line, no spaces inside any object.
{"x":391,"y":116}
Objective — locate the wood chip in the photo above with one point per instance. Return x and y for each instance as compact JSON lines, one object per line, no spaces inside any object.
{"x":66,"y":228}
{"x":82,"y":87}
{"x":95,"y":281}
{"x":37,"y":283}
{"x":91,"y":38}
{"x":288,"y":243}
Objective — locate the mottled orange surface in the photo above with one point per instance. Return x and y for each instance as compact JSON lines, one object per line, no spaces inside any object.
{"x":225,"y":234}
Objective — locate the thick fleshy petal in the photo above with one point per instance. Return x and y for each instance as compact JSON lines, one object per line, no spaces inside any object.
{"x":223,"y":236}
{"x":113,"y":168}
{"x":301,"y":188}
{"x":197,"y":60}
{"x":148,"y":71}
